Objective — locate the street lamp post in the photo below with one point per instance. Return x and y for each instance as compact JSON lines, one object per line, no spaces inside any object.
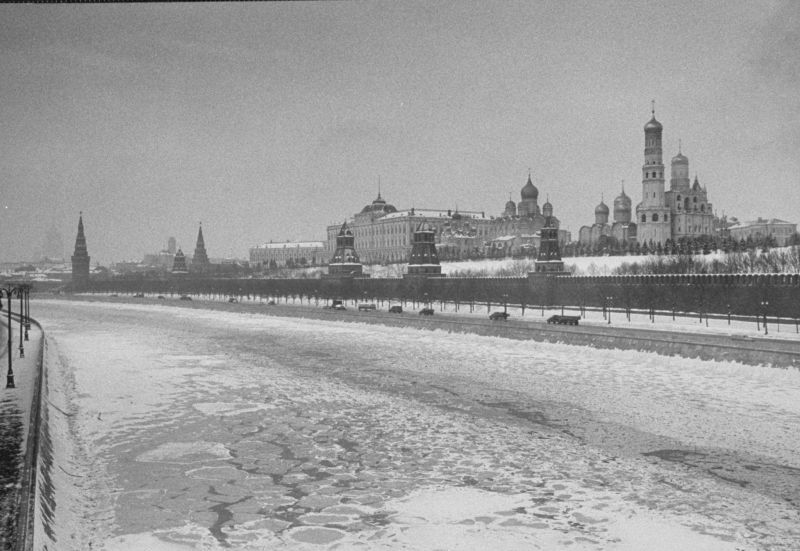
{"x":21,"y":291}
{"x":764,"y":305}
{"x":609,"y":301}
{"x":10,"y":372}
{"x":505,"y":303}
{"x":21,"y":322}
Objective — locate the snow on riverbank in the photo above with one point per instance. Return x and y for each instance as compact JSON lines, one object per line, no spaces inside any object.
{"x":205,"y":429}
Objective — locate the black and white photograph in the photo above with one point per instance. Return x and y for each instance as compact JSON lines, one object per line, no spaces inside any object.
{"x":400,"y":275}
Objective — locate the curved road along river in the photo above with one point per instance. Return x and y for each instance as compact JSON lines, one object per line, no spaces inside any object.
{"x":185,"y":428}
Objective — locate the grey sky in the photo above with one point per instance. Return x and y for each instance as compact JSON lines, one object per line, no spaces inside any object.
{"x":273,"y":120}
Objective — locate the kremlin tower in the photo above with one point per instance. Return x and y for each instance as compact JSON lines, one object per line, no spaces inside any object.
{"x":345,"y":261}
{"x":424,"y":260}
{"x":179,"y":263}
{"x":80,"y":259}
{"x":200,"y":260}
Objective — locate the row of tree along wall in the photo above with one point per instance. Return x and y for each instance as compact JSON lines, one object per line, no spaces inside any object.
{"x":737,"y":294}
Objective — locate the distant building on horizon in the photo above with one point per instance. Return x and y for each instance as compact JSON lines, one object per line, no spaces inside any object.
{"x":80,"y":258}
{"x":309,"y":253}
{"x":782,"y":231}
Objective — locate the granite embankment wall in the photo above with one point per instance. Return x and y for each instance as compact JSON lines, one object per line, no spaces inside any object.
{"x":739,"y":348}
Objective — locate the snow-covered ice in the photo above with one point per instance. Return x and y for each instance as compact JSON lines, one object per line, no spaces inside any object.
{"x":186,"y":428}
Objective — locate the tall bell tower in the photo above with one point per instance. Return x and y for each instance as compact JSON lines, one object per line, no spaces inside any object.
{"x":652,"y":213}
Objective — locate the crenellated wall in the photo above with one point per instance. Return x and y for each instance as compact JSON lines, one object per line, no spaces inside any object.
{"x":737,"y":294}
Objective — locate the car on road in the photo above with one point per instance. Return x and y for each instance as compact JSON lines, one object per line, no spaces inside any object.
{"x":232,"y":299}
{"x":494,"y":316}
{"x":564,"y":320}
{"x":396,"y":309}
{"x":161,"y":297}
{"x":336,"y":305}
{"x":138,"y":295}
{"x":426,"y":312}
{"x":270,"y":302}
{"x":186,"y":297}
{"x":366,"y":307}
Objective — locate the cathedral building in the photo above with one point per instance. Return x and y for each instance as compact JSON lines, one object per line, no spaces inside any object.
{"x":681,"y":212}
{"x":620,"y":233}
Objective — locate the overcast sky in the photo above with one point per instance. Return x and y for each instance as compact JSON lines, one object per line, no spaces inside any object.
{"x":269,"y":121}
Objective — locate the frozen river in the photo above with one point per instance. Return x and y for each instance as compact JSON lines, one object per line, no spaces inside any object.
{"x":187,"y":428}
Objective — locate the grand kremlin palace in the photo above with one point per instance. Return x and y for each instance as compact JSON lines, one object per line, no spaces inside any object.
{"x":384,"y":234}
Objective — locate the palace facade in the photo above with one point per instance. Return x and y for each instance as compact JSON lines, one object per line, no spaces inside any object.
{"x":384,"y":234}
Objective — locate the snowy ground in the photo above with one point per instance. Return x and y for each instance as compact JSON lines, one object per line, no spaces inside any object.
{"x":186,"y":428}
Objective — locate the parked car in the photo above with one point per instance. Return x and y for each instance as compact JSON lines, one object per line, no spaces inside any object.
{"x":564,"y":320}
{"x":336,"y":305}
{"x":232,"y":299}
{"x":186,"y":297}
{"x":426,"y":312}
{"x":161,"y":297}
{"x":271,"y":302}
{"x":494,"y":316}
{"x":138,"y":295}
{"x":396,"y":309}
{"x":366,"y":307}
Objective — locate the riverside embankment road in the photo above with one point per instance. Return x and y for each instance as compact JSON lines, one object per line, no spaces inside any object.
{"x":203,"y":428}
{"x":16,"y":447}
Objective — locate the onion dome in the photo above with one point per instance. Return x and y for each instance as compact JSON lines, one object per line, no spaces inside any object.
{"x":622,"y":202}
{"x":511,"y":205}
{"x":529,"y":191}
{"x":653,"y":125}
{"x":602,"y":208}
{"x":547,"y":208}
{"x":680,"y":159}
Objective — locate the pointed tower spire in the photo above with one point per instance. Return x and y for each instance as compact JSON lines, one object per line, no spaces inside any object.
{"x":653,"y":107}
{"x":200,"y":259}
{"x":80,"y":258}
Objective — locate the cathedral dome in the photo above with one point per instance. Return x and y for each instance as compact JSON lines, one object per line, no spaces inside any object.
{"x":622,"y":202}
{"x":602,"y":208}
{"x":511,"y":205}
{"x":529,"y":191}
